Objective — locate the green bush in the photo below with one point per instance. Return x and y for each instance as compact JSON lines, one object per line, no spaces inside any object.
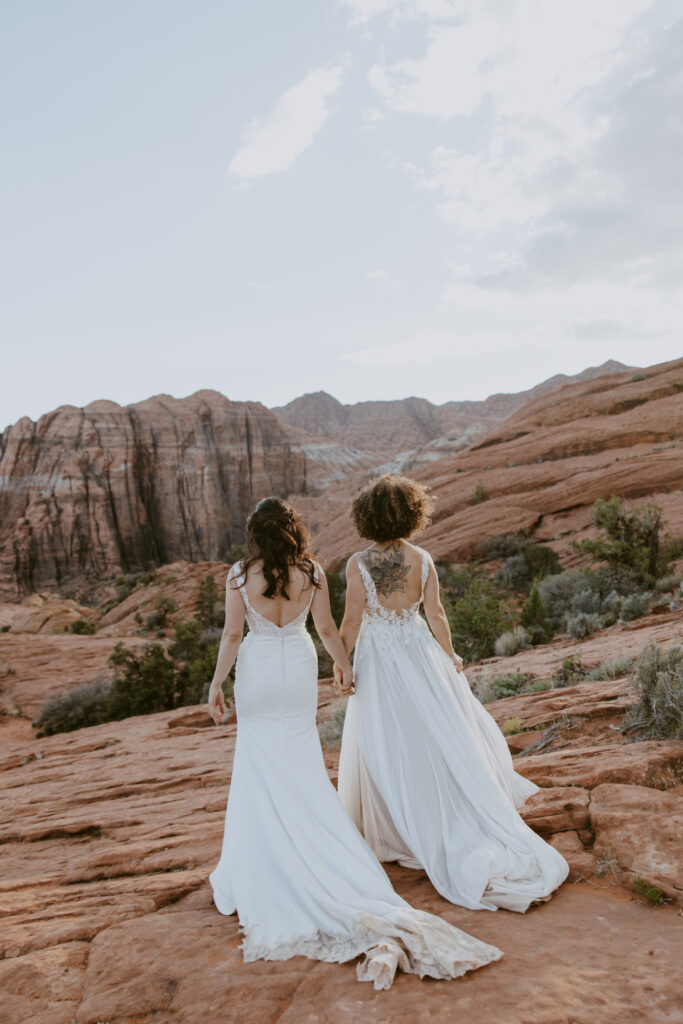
{"x":511,"y":726}
{"x":583,"y":625}
{"x":163,"y":607}
{"x":535,"y":562}
{"x":512,"y":642}
{"x":611,"y":669}
{"x":477,"y":619}
{"x":144,"y":681}
{"x":571,"y":671}
{"x":87,"y":704}
{"x":652,"y":893}
{"x":478,"y":495}
{"x":504,"y":545}
{"x":535,"y":619}
{"x":210,"y":608}
{"x":657,"y":681}
{"x":629,"y":541}
{"x":84,"y":627}
{"x":506,"y":686}
{"x":634,"y":606}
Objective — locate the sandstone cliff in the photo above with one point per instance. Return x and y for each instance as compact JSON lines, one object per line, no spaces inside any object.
{"x":541,"y":470}
{"x":88,"y":493}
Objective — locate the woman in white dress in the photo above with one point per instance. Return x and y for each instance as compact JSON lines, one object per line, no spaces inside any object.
{"x":293,"y":865}
{"x":424,"y":770}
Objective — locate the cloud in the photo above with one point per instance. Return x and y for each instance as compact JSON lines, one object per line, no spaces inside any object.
{"x":561,"y":152}
{"x":383,"y":278}
{"x":273,"y":144}
{"x":365,"y":10}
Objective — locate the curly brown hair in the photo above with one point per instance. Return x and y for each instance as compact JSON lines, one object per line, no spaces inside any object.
{"x":391,"y":508}
{"x":276,"y":536}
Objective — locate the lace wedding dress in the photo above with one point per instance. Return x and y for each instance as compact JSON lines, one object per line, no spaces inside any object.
{"x":293,"y":864}
{"x":426,"y":774}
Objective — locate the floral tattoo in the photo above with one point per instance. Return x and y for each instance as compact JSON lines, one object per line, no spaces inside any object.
{"x":388,"y":569}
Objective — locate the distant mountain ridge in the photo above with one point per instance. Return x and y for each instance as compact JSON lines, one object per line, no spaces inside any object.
{"x":401,"y":434}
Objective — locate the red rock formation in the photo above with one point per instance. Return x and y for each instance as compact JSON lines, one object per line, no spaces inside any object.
{"x":92,"y":492}
{"x":544,"y":467}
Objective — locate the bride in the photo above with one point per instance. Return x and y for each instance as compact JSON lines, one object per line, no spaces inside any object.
{"x":293,"y":864}
{"x":424,"y":771}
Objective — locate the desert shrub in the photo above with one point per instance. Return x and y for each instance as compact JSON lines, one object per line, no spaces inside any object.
{"x":85,"y":627}
{"x":535,"y":619}
{"x":668,"y":584}
{"x":456,"y":580}
{"x":510,"y":643}
{"x":610,"y":669}
{"x":535,"y":562}
{"x":143,"y":681}
{"x":607,"y":865}
{"x":127,"y":583}
{"x":505,"y":545}
{"x":539,"y":686}
{"x":330,"y":732}
{"x":506,"y":686}
{"x":478,"y":495}
{"x":629,"y":541}
{"x":210,"y":609}
{"x":571,"y":671}
{"x":635,"y":605}
{"x":85,"y":705}
{"x":583,"y":625}
{"x":235,"y":554}
{"x":657,"y":681}
{"x":477,"y":619}
{"x":512,"y":726}
{"x":652,"y":893}
{"x":585,"y":592}
{"x":163,"y":607}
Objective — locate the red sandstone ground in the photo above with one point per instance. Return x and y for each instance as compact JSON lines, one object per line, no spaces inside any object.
{"x":109,"y":834}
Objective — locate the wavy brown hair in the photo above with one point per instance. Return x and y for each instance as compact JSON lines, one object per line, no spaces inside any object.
{"x":277,"y":537}
{"x":391,"y":508}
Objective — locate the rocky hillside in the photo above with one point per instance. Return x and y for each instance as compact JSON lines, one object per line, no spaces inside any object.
{"x":403,"y":433}
{"x":89,"y":493}
{"x":542,"y":469}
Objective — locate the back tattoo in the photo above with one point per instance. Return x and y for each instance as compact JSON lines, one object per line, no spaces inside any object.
{"x":387,"y":569}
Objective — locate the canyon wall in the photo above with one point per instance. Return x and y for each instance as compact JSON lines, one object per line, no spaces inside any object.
{"x":89,"y":493}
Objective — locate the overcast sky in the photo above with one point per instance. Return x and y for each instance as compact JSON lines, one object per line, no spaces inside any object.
{"x":377,"y":198}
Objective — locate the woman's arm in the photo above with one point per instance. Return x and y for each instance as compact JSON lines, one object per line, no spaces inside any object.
{"x":436,"y":616}
{"x":328,"y":632}
{"x":227,"y":651}
{"x":353,"y":614}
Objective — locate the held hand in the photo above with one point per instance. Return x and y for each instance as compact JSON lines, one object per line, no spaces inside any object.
{"x":458,"y":662}
{"x":217,"y":704}
{"x":343,"y":681}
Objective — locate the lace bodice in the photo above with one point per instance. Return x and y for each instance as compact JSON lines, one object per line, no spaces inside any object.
{"x":259,"y":624}
{"x":391,"y":624}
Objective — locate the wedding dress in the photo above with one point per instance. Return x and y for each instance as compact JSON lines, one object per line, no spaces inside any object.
{"x":426,"y":774}
{"x":293,"y":864}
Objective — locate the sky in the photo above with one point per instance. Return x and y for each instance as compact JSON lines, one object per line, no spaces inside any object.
{"x":376,"y":198}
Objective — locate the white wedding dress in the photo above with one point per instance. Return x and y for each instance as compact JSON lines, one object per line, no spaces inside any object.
{"x":426,"y":773}
{"x":293,"y":864}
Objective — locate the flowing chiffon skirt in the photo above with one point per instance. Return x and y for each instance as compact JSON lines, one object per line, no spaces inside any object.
{"x":427,"y":776}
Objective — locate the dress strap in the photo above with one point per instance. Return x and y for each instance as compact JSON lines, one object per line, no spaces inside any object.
{"x":237,"y":575}
{"x":425,"y":571}
{"x":369,"y":584}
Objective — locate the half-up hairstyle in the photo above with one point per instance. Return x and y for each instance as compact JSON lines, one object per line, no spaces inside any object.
{"x":278,"y":538}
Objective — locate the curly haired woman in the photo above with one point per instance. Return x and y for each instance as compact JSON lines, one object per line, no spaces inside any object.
{"x":424,"y":770}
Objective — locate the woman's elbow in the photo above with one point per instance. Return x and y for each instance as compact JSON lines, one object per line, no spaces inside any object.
{"x":233,"y":636}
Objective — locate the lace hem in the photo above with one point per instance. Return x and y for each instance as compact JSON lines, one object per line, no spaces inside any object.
{"x":425,"y":945}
